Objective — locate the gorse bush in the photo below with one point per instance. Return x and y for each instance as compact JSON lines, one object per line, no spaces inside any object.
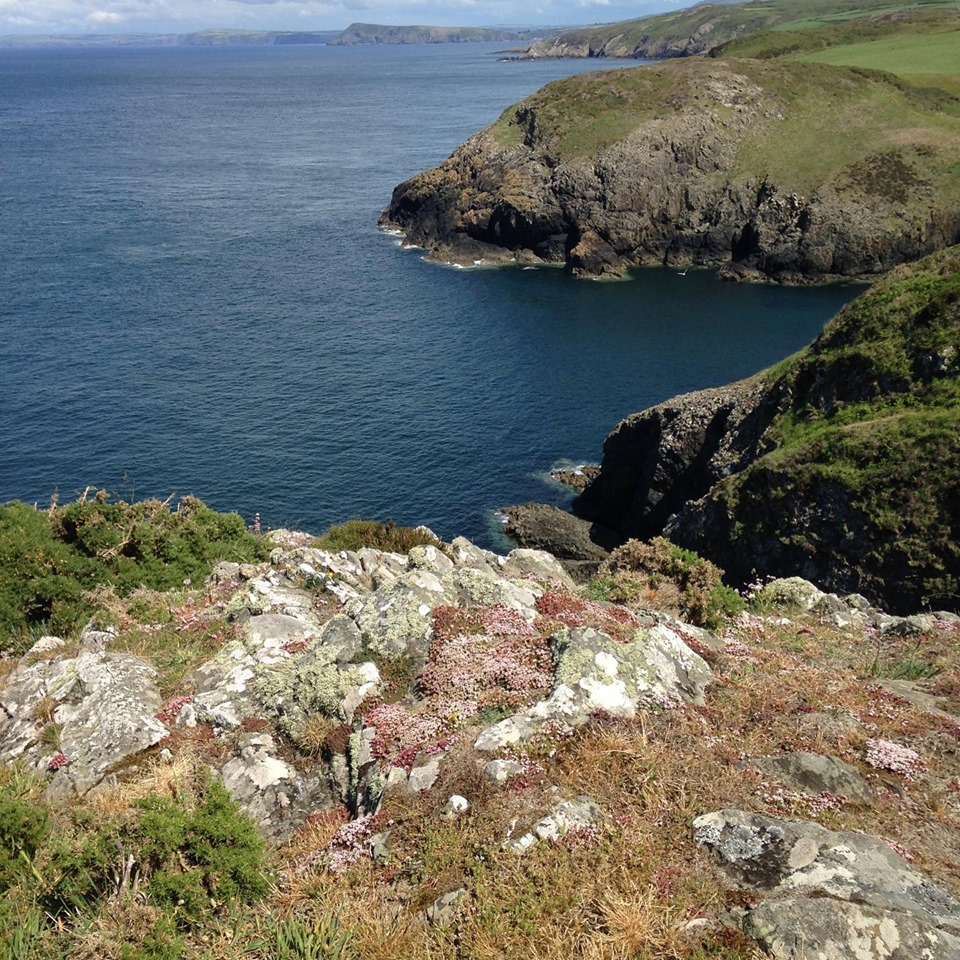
{"x":50,"y":559}
{"x":663,"y":576}
{"x":196,"y":859}
{"x":357,"y":534}
{"x":184,"y":862}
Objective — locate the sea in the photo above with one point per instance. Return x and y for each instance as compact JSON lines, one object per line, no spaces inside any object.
{"x":195,"y":296}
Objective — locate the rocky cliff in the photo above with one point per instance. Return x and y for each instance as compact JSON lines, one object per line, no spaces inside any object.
{"x":841,"y":464}
{"x":794,"y":172}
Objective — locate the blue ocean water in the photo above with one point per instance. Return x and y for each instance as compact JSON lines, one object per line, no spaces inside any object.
{"x":195,"y":297}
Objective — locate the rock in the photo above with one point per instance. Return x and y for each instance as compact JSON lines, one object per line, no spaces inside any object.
{"x":915,"y":693}
{"x":577,"y":478}
{"x":820,"y":725}
{"x":428,"y":557}
{"x":395,"y":619}
{"x":912,"y":626}
{"x":579,"y":814}
{"x":832,"y":896}
{"x":269,"y":790}
{"x":45,"y":647}
{"x":104,"y":705}
{"x":443,"y":910}
{"x":93,"y":640}
{"x":456,"y":806}
{"x":480,"y":587}
{"x":276,"y":655}
{"x":423,"y":777}
{"x":500,"y":771}
{"x":566,"y":537}
{"x":596,"y":673}
{"x":791,"y":593}
{"x":816,"y":774}
{"x":537,"y":565}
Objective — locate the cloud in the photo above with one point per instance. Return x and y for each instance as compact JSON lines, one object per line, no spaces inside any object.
{"x":105,"y":16}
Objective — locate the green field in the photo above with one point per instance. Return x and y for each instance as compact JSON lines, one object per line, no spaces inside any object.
{"x":933,"y":59}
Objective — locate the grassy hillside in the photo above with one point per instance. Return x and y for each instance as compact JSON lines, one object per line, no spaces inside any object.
{"x":704,"y":26}
{"x":922,"y":46}
{"x":895,"y":140}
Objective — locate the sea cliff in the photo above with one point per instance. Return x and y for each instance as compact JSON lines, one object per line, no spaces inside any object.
{"x":763,"y":169}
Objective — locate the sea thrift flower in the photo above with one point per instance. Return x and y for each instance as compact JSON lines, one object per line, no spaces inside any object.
{"x":349,"y":844}
{"x":57,"y":761}
{"x":886,"y":755}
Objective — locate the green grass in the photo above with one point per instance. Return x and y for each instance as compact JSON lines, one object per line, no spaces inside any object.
{"x":735,"y":21}
{"x":873,"y":132}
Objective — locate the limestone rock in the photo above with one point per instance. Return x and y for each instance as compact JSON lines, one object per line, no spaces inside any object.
{"x":395,"y":619}
{"x":596,"y":673}
{"x":104,"y":705}
{"x":832,"y":895}
{"x":537,"y":565}
{"x":269,"y":790}
{"x":815,"y":774}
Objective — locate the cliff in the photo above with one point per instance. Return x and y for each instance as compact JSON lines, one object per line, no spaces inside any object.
{"x":378,"y":33}
{"x":701,"y":161}
{"x":842,"y":464}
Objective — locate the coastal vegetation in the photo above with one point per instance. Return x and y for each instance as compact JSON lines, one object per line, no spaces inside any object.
{"x":841,"y":462}
{"x":705,"y":26}
{"x":160,"y":862}
{"x":51,"y":560}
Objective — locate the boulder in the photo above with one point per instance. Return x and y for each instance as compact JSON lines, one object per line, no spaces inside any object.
{"x":271,"y":791}
{"x":815,"y":774}
{"x":831,"y":896}
{"x":100,"y":706}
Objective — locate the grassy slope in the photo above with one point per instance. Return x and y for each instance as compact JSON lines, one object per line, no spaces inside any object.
{"x":874,"y":424}
{"x":737,"y":20}
{"x":850,"y":114}
{"x":924,"y":48}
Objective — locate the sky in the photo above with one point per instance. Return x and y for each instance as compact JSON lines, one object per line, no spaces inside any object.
{"x":183,"y":16}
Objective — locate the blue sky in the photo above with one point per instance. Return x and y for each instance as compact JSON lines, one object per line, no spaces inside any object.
{"x":180,"y":16}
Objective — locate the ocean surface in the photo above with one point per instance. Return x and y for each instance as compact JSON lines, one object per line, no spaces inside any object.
{"x":196,"y":299}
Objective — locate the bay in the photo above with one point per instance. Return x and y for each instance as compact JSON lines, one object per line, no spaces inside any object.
{"x":195,"y":297}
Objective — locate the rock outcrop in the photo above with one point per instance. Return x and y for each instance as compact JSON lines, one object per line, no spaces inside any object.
{"x":683,"y":162}
{"x":832,"y":896}
{"x":839,"y":466}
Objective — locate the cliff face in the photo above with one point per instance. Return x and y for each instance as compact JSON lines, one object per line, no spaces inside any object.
{"x":842,"y":465}
{"x":794,"y":172}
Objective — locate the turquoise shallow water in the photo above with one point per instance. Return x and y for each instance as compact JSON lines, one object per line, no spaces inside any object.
{"x":195,"y":296}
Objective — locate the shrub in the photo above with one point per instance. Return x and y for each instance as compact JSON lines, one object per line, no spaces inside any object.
{"x":195,"y":858}
{"x":357,"y":534}
{"x":663,"y":576}
{"x":50,"y":559}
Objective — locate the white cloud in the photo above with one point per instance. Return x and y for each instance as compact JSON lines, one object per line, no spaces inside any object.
{"x":105,"y":16}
